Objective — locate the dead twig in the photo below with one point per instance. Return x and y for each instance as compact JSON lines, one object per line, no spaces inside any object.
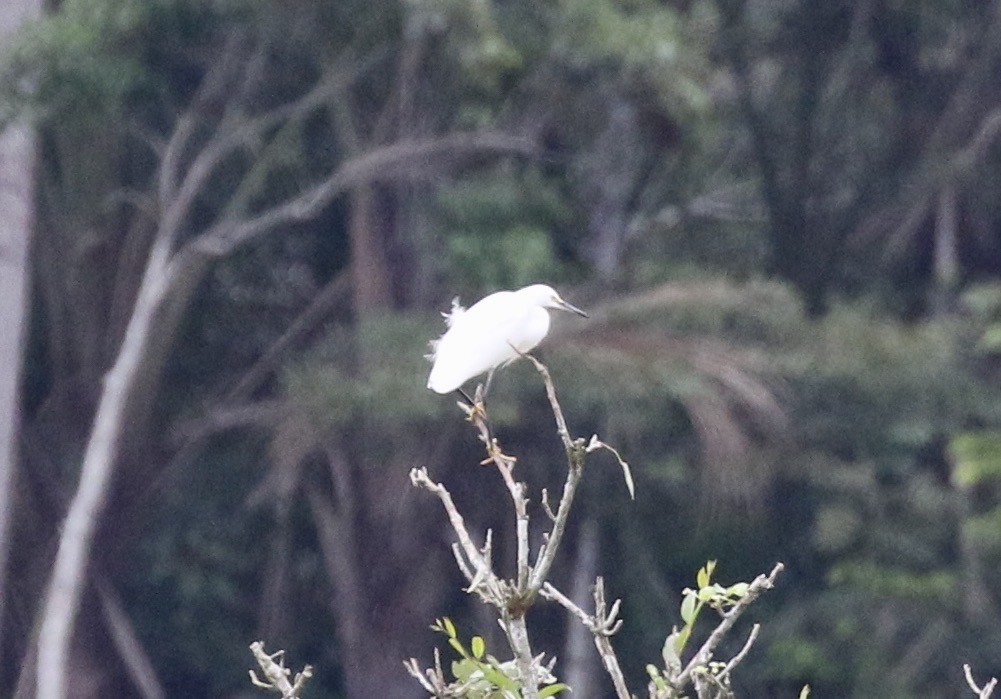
{"x":276,"y":675}
{"x":984,"y":692}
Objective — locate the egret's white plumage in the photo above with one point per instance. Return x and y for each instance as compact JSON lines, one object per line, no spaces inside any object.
{"x":491,"y":332}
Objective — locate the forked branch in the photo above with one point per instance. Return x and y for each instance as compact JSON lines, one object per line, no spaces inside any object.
{"x":705,"y":653}
{"x":513,"y":598}
{"x":984,"y":692}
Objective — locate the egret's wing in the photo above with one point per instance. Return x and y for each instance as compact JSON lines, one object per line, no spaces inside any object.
{"x":485,"y":331}
{"x":465,"y":352}
{"x":476,"y":341}
{"x":491,"y":332}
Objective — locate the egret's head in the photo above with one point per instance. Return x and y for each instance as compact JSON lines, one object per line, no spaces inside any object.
{"x":546,"y":296}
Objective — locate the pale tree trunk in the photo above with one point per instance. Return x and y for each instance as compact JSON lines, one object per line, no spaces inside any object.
{"x":17,"y":179}
{"x":62,"y":601}
{"x":946,"y":251}
{"x":583,"y":671}
{"x":612,"y":175}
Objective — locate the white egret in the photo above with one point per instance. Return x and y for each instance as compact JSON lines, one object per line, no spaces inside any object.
{"x":494,"y":331}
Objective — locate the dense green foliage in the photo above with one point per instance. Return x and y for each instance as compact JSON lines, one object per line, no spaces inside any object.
{"x":782,"y":216}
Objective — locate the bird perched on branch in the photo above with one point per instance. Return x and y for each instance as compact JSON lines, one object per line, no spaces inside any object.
{"x":495,"y":330}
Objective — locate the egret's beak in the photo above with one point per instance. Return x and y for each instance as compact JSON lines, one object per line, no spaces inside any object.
{"x":564,"y":306}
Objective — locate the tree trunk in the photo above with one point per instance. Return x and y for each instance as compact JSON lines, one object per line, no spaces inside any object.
{"x":945,"y":252}
{"x":17,"y":180}
{"x":369,"y":262}
{"x":66,"y":586}
{"x":385,"y":574}
{"x":612,"y":176}
{"x":583,"y":672}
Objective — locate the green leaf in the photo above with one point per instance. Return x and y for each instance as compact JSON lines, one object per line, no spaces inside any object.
{"x":688,"y":608}
{"x":497,"y":677}
{"x":671,"y":654}
{"x":702,"y":579}
{"x":805,"y":692}
{"x":552,"y":690}
{"x":707,"y":593}
{"x":455,"y":643}
{"x":449,"y":627}
{"x":738,"y":590}
{"x":478,"y":647}
{"x":463,"y":669}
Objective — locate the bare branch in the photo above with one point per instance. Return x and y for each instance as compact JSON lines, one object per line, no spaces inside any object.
{"x":276,"y":674}
{"x":419,"y":477}
{"x":414,"y":670}
{"x":127,"y":642}
{"x":984,"y":692}
{"x":739,"y":657}
{"x":550,"y":592}
{"x":561,"y":423}
{"x":611,"y":663}
{"x":517,"y":634}
{"x":211,"y":87}
{"x":546,"y":507}
{"x":575,"y":471}
{"x":602,"y":625}
{"x":461,"y":563}
{"x":227,"y":417}
{"x":505,"y":466}
{"x":547,"y":552}
{"x":235,"y":130}
{"x":514,"y":600}
{"x":18,"y":154}
{"x":403,"y":160}
{"x":627,"y":474}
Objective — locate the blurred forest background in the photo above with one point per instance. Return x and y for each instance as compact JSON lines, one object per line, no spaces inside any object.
{"x":229,"y":227}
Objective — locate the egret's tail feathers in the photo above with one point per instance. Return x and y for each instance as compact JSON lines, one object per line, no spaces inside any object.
{"x":453,"y":315}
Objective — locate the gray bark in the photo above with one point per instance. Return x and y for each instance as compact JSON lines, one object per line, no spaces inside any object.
{"x":17,"y":177}
{"x":584,"y":673}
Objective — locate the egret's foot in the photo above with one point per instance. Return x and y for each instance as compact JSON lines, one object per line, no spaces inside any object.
{"x":496,"y":453}
{"x":476,"y":412}
{"x":474,"y":408}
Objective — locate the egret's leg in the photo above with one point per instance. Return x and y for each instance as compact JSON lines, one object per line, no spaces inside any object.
{"x":478,"y":411}
{"x":481,"y":398}
{"x":465,"y":397}
{"x":481,"y":395}
{"x":475,"y":405}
